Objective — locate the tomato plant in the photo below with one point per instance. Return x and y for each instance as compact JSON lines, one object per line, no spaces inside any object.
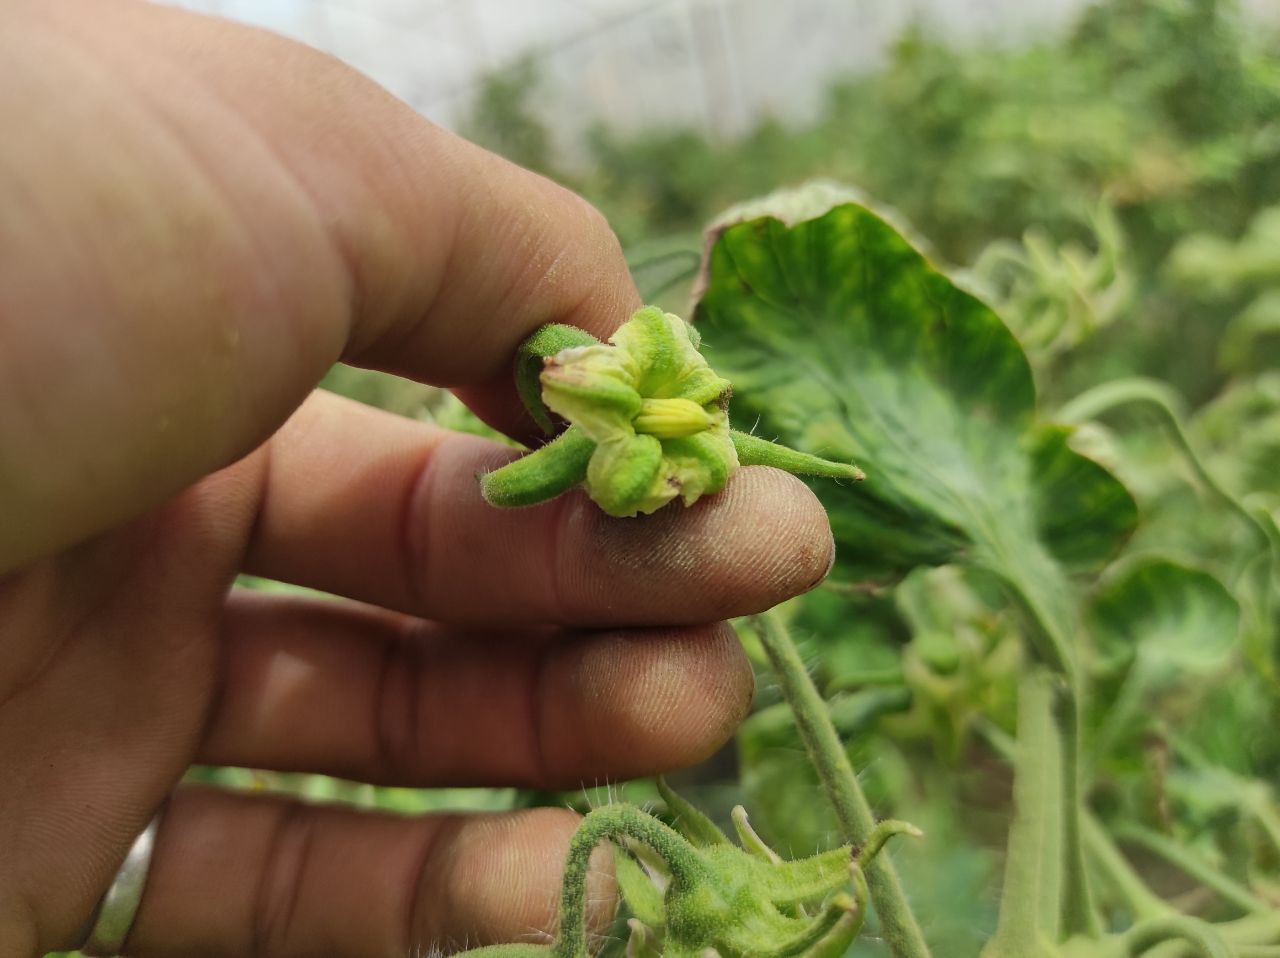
{"x":1039,"y":639}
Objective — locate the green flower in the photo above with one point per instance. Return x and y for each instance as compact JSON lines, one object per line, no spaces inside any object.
{"x":693,"y":893}
{"x":648,"y":421}
{"x":655,"y":410}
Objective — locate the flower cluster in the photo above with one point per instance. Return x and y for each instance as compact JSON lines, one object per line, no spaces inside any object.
{"x":648,"y":421}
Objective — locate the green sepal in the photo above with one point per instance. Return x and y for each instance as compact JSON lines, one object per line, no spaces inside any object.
{"x":531,"y":357}
{"x":690,"y":821}
{"x":663,"y":359}
{"x":884,"y":830}
{"x":541,"y":475}
{"x":592,"y":388}
{"x":840,"y":938}
{"x":750,"y":839}
{"x":624,"y":476}
{"x":638,"y":890}
{"x":700,"y":465}
{"x":804,"y":880}
{"x":642,"y":942}
{"x":754,"y":451}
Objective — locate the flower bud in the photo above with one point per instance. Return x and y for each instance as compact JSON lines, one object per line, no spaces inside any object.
{"x":650,"y":420}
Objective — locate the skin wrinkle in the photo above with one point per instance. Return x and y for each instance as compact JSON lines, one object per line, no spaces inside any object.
{"x":281,"y":882}
{"x":470,"y":684}
{"x":416,"y":897}
{"x":436,"y":864}
{"x":396,"y":717}
{"x":415,"y":531}
{"x":537,"y":702}
{"x":565,"y":507}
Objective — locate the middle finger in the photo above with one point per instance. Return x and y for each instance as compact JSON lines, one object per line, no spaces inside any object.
{"x":364,"y":694}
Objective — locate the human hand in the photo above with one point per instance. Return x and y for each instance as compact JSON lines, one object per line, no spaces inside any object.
{"x":199,"y":219}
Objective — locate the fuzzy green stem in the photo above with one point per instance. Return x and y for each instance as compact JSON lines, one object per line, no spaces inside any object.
{"x":613,"y":822}
{"x":901,"y":931}
{"x":1078,"y":913}
{"x":851,"y":713}
{"x":513,"y":950}
{"x":1200,"y":935}
{"x":541,"y":475}
{"x":1050,"y":620}
{"x":1253,"y":937}
{"x":1193,"y":866}
{"x":1142,"y":902}
{"x":754,"y":451}
{"x":1029,"y":897}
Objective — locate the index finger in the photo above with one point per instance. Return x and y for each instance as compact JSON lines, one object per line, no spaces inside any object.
{"x":247,"y":212}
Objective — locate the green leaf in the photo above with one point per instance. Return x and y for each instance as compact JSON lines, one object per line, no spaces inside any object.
{"x":841,"y":338}
{"x":1067,"y":486}
{"x":1181,"y":620}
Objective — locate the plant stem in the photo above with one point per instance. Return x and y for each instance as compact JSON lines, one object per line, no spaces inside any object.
{"x":899,"y":926}
{"x":1036,"y":584}
{"x":1078,"y":913}
{"x":1181,"y":858}
{"x":1202,"y":937}
{"x":1028,"y":902}
{"x":1142,"y":901}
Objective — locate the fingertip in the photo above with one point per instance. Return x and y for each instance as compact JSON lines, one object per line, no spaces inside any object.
{"x":793,"y":526}
{"x":761,"y":541}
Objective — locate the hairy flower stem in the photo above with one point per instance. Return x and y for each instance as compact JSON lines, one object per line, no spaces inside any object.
{"x":614,"y":822}
{"x":857,"y":823}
